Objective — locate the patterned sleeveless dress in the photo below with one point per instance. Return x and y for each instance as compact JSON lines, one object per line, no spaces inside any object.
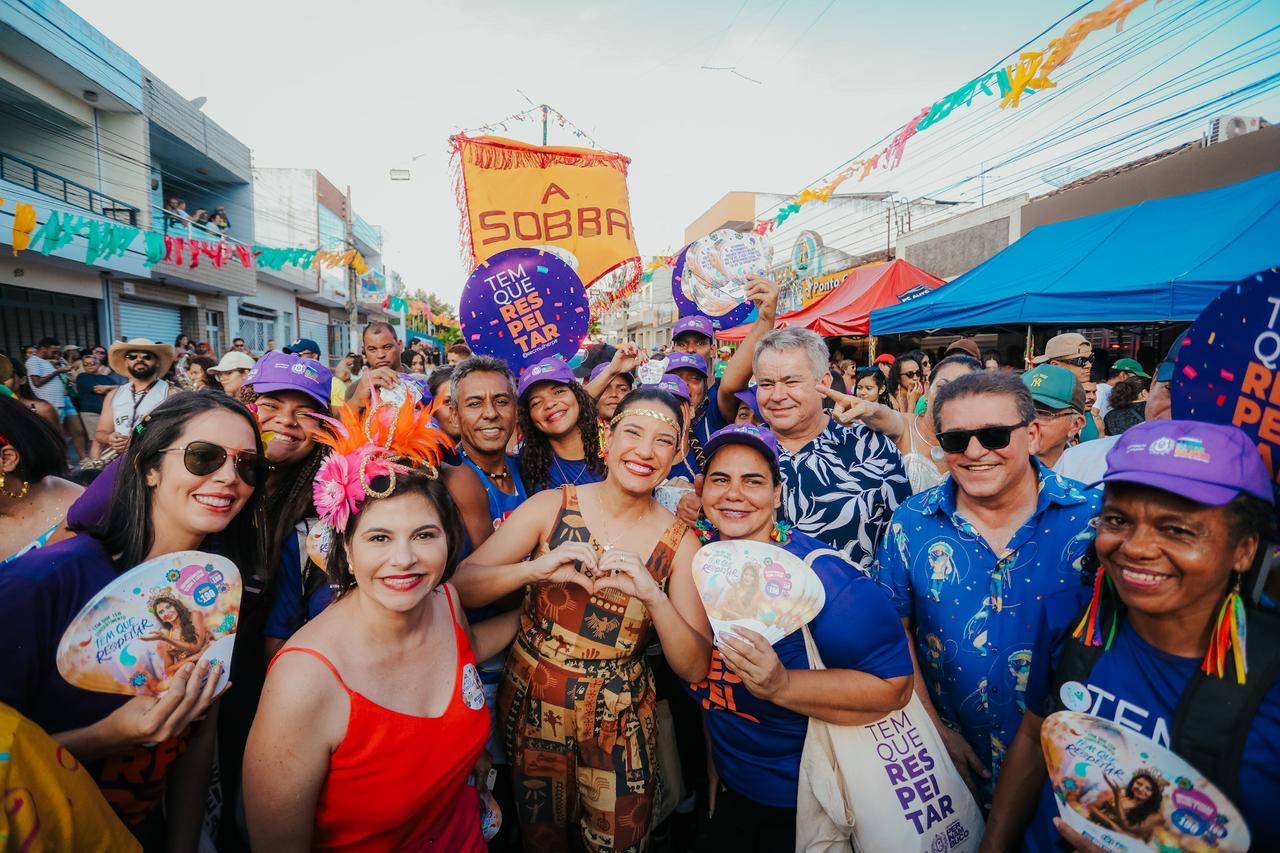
{"x":578,"y":705}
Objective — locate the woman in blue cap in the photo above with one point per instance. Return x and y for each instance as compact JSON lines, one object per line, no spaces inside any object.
{"x":1160,"y":647}
{"x":758,"y":697}
{"x":557,"y":420}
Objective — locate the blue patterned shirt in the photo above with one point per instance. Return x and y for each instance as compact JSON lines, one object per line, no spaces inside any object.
{"x":842,"y":488}
{"x":976,"y":612}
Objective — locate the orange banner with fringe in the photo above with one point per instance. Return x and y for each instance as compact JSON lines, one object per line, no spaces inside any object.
{"x":571,"y":201}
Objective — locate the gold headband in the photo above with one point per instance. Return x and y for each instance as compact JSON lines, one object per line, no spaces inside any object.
{"x":648,"y":413}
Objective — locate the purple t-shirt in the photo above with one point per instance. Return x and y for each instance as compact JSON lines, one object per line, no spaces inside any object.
{"x":90,"y":509}
{"x":40,"y":593}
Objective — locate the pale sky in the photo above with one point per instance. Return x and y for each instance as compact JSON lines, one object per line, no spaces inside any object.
{"x":356,"y":89}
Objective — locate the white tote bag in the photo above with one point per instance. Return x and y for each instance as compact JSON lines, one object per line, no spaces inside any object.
{"x":887,"y":786}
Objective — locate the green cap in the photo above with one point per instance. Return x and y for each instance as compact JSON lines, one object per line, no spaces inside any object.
{"x":1130,"y":365}
{"x":1055,"y":387}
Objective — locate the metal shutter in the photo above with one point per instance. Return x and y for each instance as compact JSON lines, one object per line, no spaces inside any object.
{"x":159,"y":323}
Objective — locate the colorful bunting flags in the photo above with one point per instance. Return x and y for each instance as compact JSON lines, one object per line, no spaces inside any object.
{"x":1030,"y":74}
{"x":106,"y":240}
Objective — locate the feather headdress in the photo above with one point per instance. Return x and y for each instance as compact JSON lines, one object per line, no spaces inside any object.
{"x":389,"y":440}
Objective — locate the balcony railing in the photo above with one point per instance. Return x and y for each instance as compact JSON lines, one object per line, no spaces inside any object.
{"x":33,"y":177}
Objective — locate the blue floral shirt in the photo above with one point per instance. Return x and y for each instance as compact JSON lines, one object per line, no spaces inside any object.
{"x":842,"y":488}
{"x":976,"y":612}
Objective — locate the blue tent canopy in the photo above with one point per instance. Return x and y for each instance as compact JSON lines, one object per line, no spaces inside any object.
{"x":1158,"y":260}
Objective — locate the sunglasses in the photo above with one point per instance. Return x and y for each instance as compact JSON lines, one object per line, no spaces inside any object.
{"x":992,"y":437}
{"x":910,"y":374}
{"x":1078,"y":361}
{"x":203,"y":458}
{"x":134,"y":356}
{"x":1052,"y":414}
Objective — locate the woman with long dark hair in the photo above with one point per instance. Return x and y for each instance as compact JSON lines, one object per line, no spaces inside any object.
{"x":557,"y":420}
{"x":34,"y":491}
{"x":183,"y":638}
{"x":577,"y":695}
{"x":186,"y":482}
{"x":906,"y":381}
{"x":869,"y":384}
{"x":385,"y":678}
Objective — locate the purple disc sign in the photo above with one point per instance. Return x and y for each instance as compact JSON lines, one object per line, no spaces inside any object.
{"x":687,"y":306}
{"x":523,"y":305}
{"x":1228,"y":370}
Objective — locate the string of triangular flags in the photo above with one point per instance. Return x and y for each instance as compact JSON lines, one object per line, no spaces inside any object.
{"x":106,"y":240}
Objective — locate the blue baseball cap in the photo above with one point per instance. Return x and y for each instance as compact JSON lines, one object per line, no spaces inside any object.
{"x":303,"y":345}
{"x":673,"y":385}
{"x":278,"y":371}
{"x":686,"y":361}
{"x":756,"y":437}
{"x":694,"y":323}
{"x":1207,"y":463}
{"x":550,"y":369}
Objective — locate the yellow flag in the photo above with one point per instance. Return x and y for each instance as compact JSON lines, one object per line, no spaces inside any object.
{"x":571,"y":200}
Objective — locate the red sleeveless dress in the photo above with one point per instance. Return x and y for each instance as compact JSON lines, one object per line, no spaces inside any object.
{"x":399,"y":782}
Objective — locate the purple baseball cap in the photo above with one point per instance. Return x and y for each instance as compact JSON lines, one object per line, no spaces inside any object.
{"x":674,"y":386}
{"x":749,"y":397}
{"x":759,"y":438}
{"x":693,"y":323}
{"x":550,"y":369}
{"x":686,"y":361}
{"x":1207,"y":463}
{"x":600,"y":368}
{"x":278,"y":371}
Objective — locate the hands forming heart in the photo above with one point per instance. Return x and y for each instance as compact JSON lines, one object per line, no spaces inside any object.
{"x":614,"y":569}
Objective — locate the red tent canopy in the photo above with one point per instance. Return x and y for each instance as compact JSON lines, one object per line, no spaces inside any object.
{"x":847,"y":309}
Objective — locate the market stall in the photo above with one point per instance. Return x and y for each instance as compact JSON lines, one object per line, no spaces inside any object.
{"x":1160,"y":260}
{"x":847,"y":309}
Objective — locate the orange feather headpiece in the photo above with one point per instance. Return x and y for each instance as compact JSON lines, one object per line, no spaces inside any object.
{"x":389,"y":440}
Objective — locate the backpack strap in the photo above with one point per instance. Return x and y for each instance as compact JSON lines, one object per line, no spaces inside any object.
{"x":1214,"y":715}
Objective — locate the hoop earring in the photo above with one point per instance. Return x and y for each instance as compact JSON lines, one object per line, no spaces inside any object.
{"x":20,"y":495}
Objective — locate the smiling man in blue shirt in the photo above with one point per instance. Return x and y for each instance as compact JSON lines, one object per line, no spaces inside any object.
{"x":968,"y":562}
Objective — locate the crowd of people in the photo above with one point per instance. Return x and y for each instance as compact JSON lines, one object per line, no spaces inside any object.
{"x":469,"y":616}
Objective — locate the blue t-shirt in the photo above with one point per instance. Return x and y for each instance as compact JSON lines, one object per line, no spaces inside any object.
{"x":292,"y":607}
{"x":573,"y":472}
{"x":842,"y":487}
{"x":40,"y":593}
{"x":757,"y":744}
{"x":86,"y":382}
{"x":976,"y":612}
{"x":1137,"y":686}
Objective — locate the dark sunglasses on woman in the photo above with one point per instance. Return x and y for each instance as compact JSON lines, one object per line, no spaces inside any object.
{"x":992,"y":437}
{"x":203,"y":458}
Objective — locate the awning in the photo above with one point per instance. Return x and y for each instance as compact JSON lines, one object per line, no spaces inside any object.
{"x":847,"y":309}
{"x":1159,"y":260}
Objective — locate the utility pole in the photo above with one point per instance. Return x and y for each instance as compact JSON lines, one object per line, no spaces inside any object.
{"x":544,"y":125}
{"x":353,"y":283}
